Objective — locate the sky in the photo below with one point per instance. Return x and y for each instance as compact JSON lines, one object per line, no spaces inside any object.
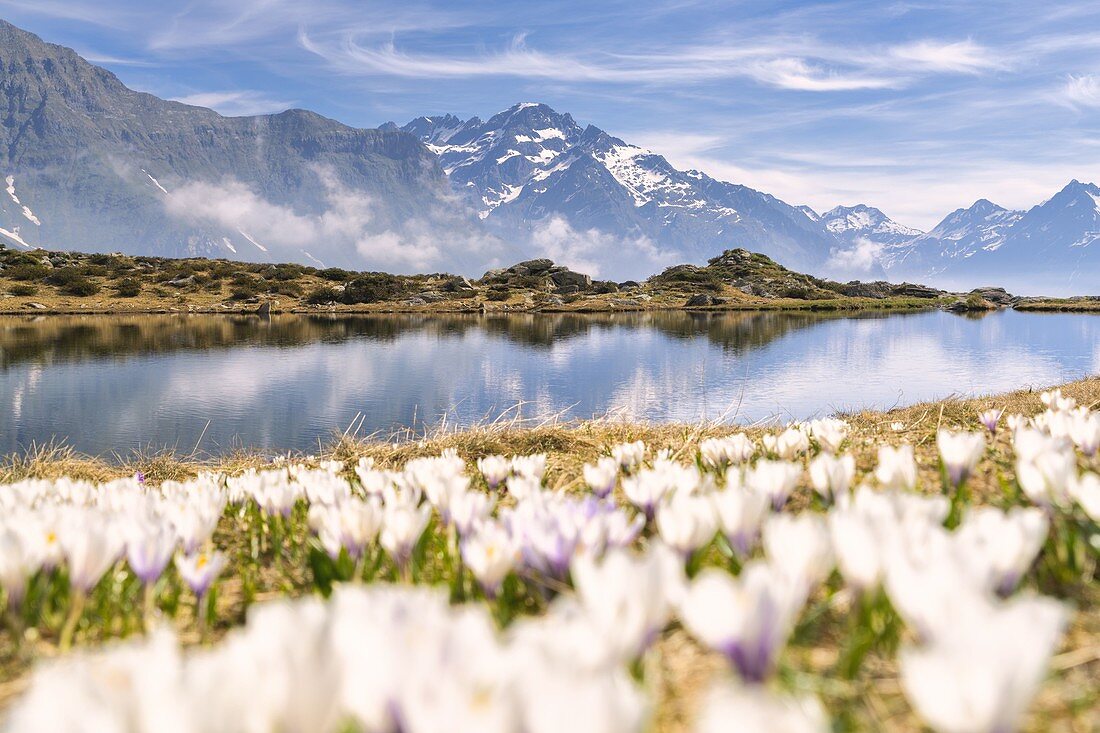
{"x":916,"y":107}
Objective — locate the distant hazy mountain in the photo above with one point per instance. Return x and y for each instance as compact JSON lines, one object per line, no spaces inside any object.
{"x":530,"y":171}
{"x":1052,"y":248}
{"x":88,"y":164}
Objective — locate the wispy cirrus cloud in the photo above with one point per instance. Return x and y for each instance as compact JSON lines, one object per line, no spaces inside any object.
{"x":785,"y":63}
{"x":236,"y":103}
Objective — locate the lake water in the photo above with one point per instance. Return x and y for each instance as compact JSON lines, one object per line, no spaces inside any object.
{"x":113,"y":384}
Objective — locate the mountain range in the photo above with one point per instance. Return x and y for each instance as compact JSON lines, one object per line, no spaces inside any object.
{"x":89,"y":164}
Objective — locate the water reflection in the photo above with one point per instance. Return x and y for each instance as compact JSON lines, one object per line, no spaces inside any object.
{"x":114,"y":383}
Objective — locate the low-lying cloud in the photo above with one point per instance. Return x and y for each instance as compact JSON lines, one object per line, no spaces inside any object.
{"x":597,"y":253}
{"x":353,"y":228}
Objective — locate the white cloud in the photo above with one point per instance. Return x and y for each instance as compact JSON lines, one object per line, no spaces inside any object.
{"x":236,"y":103}
{"x":861,"y":257}
{"x":351,"y":224}
{"x":786,"y":63}
{"x":965,"y":57}
{"x":1082,"y":91}
{"x":593,"y":252}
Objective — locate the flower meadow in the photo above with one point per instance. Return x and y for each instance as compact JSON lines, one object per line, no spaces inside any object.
{"x":810,"y":578}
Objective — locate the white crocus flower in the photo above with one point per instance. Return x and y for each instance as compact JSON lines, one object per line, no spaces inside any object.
{"x":1000,"y":546}
{"x":776,"y":479}
{"x":149,"y":549}
{"x":757,"y":710}
{"x":1085,"y":490}
{"x":533,"y":466}
{"x":832,"y":475}
{"x":896,"y":468}
{"x":989,"y":419}
{"x":741,"y":512}
{"x":359,"y":522}
{"x":789,"y":444}
{"x":687,"y":522}
{"x":403,"y":522}
{"x":19,"y":559}
{"x":800,"y":547}
{"x":601,"y":476}
{"x":747,"y":618}
{"x":469,"y":509}
{"x":490,"y":552}
{"x":982,"y":678}
{"x":1045,"y":479}
{"x":829,"y":433}
{"x":629,"y":455}
{"x":495,"y":469}
{"x":960,"y":453}
{"x":91,"y":546}
{"x":730,"y":450}
{"x":200,"y":570}
{"x":627,"y":597}
{"x":1054,"y":400}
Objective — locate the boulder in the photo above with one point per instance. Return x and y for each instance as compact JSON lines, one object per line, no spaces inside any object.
{"x":181,"y":282}
{"x":997,"y":296}
{"x":36,"y":306}
{"x":534,"y":267}
{"x":701,"y":300}
{"x":568,"y":278}
{"x":910,"y":290}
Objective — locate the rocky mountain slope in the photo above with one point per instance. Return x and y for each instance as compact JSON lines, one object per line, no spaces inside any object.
{"x":88,"y":164}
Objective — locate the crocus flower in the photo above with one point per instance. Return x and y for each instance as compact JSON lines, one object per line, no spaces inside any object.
{"x":149,"y":548}
{"x":490,"y":552}
{"x":629,"y":455}
{"x":495,"y":469}
{"x":775,"y":479}
{"x":832,"y":475}
{"x":791,"y":443}
{"x":91,"y":546}
{"x":747,"y":618}
{"x":1085,"y":490}
{"x":960,"y":453}
{"x":469,"y":509}
{"x":730,"y":450}
{"x":982,"y":678}
{"x":601,"y":476}
{"x":687,"y":522}
{"x":989,"y":419}
{"x":897,"y":468}
{"x":1000,"y":546}
{"x":800,"y":547}
{"x":200,"y":570}
{"x":629,"y":597}
{"x":740,"y":511}
{"x":360,"y":522}
{"x":756,"y":710}
{"x":18,"y":561}
{"x":829,"y":433}
{"x":403,"y":522}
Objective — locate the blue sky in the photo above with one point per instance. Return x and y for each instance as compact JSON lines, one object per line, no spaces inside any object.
{"x":915,"y":107}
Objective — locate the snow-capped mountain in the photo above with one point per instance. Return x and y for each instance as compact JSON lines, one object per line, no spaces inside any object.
{"x":531,"y":171}
{"x":850,"y":223}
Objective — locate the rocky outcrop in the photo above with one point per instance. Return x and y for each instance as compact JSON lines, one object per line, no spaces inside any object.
{"x":539,"y":275}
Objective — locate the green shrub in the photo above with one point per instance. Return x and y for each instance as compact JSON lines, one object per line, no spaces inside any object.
{"x":63,"y":276}
{"x":128,"y":288}
{"x":22,"y":290}
{"x":373,"y":287}
{"x":291,"y":289}
{"x":81,"y":287}
{"x":335,"y":274}
{"x":27,"y":271}
{"x":323,"y":296}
